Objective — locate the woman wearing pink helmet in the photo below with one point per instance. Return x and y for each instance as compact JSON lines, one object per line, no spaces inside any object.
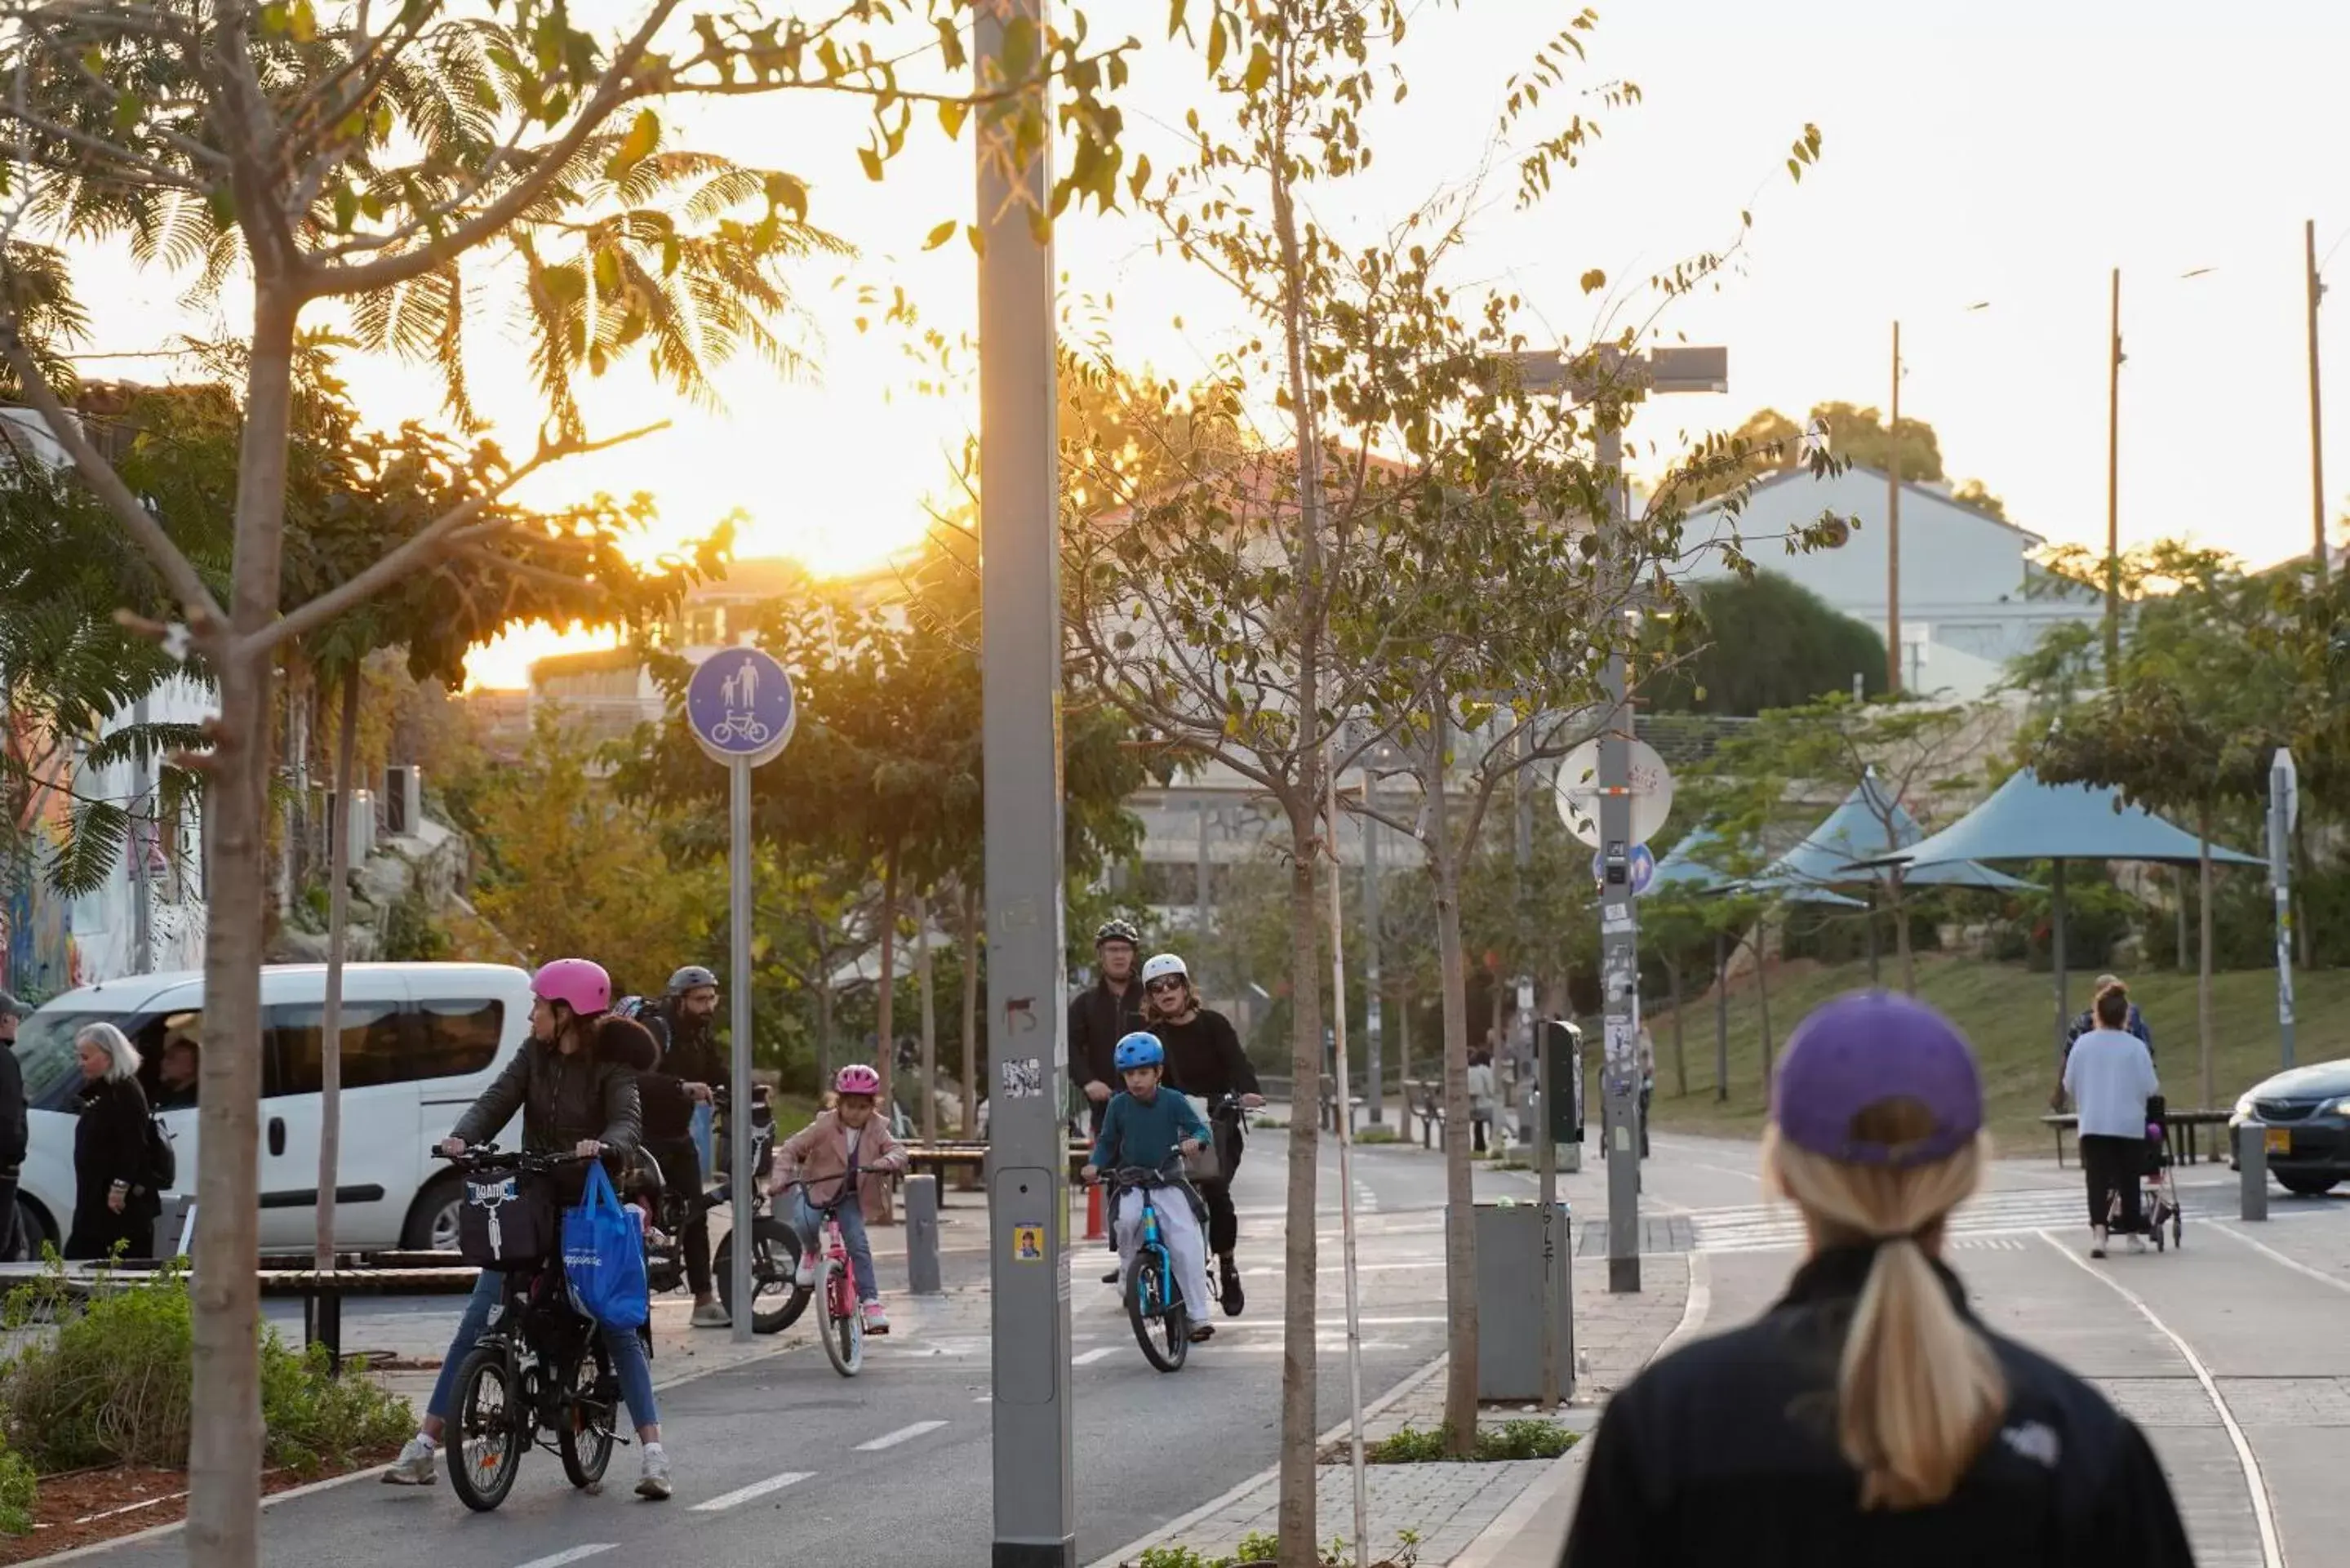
{"x":826,"y":1159}
{"x":575,"y":1083}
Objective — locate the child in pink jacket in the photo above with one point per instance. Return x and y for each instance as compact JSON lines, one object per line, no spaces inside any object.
{"x":827,"y":1158}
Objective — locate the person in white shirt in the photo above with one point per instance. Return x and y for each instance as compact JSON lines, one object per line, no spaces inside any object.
{"x":2110,"y":1075}
{"x":1480,"y":1098}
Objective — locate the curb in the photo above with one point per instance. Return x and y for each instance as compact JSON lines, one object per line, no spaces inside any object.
{"x":1173,"y":1528}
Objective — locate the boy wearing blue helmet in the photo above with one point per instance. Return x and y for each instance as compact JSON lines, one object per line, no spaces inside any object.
{"x":1144,"y":1128}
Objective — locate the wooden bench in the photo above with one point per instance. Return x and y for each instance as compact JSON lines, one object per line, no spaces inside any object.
{"x":2182,"y":1131}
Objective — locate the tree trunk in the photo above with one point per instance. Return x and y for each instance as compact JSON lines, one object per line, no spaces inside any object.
{"x":1721,"y":1018}
{"x":2178,"y":886}
{"x":1680,"y":1062}
{"x":1901,"y":934}
{"x":1403,"y":1053}
{"x":2203,"y":949}
{"x":969,"y":1011}
{"x":1299,"y":1471}
{"x":885,"y":1021}
{"x":824,"y":960}
{"x":1763,"y":1002}
{"x":225,"y":1446}
{"x":930,"y":1018}
{"x":1460,"y":1180}
{"x":338,"y":941}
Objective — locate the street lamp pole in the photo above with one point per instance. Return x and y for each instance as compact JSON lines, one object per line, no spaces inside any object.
{"x":2113,"y":486}
{"x":2316,"y":289}
{"x":1020,"y":685}
{"x":1894,"y":670}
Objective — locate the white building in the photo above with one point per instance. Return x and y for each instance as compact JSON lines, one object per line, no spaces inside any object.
{"x":1971,"y":598}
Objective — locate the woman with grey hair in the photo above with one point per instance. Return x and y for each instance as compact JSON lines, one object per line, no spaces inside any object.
{"x":115,"y":1203}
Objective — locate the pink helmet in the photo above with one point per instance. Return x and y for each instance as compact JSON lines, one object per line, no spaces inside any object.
{"x":857,"y":1078}
{"x":580,"y":985}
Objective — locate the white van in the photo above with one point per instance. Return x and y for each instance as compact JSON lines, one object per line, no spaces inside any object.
{"x":421,"y":1042}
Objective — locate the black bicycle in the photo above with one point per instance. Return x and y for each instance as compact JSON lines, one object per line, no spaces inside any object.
{"x":777,"y":1300}
{"x":540,"y":1370}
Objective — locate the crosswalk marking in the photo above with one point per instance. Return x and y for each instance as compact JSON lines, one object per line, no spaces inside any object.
{"x":742,"y":1494}
{"x":1779,"y":1227}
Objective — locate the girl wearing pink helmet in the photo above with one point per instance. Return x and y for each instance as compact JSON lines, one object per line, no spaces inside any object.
{"x":827,"y":1159}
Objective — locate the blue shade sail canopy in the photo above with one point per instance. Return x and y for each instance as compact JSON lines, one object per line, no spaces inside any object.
{"x":1869,"y":826}
{"x":1685,"y":870}
{"x":2027,"y":820}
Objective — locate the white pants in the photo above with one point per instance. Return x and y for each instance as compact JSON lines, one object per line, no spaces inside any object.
{"x":1179,"y":1229}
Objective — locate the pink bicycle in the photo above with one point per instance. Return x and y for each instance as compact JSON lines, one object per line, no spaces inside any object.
{"x":843,"y":1327}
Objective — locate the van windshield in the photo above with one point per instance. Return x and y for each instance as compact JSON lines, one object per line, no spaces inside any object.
{"x":44,"y":1054}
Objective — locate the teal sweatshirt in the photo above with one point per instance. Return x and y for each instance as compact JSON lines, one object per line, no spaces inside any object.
{"x":1133,"y":1133}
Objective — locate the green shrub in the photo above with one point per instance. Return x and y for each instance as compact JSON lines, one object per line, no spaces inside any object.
{"x":109,"y":1385}
{"x":17,"y":1493}
{"x":1522,"y":1439}
{"x":1378,"y":1134}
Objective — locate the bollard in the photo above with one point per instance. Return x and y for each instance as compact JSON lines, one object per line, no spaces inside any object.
{"x":922,"y":1235}
{"x":1093,"y":1214}
{"x":2252,"y":1172}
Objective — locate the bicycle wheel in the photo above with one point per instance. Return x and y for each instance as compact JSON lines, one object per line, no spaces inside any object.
{"x":776,"y":1301}
{"x":492,"y":1430}
{"x":843,"y":1332}
{"x":590,"y":1413}
{"x":1160,"y":1325}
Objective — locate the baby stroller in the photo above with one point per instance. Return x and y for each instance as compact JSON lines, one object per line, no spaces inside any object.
{"x":2159,"y":1195}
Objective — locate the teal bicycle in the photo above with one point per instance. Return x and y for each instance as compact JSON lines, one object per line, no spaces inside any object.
{"x":1154,"y":1299}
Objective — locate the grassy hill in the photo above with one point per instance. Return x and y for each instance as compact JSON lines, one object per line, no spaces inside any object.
{"x":2010,"y":1014}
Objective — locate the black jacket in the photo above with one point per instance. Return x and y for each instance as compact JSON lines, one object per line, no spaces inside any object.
{"x":1098,"y":1018}
{"x":110,"y":1145}
{"x":1725,"y":1452}
{"x":688,"y":1057}
{"x":1204,"y":1058}
{"x":13,"y":1136}
{"x":563,"y":1099}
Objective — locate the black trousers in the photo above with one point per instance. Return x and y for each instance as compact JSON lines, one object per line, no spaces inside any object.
{"x":680,"y":1164}
{"x":2112,"y":1166}
{"x":1223,"y":1224}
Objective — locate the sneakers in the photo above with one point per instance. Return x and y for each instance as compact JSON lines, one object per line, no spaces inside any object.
{"x":1202,"y":1333}
{"x":653,"y":1484}
{"x":876,"y":1320}
{"x":2137,"y":1243}
{"x":416,"y":1465}
{"x":712,"y":1314}
{"x":2097,"y":1241}
{"x":804,"y":1274}
{"x":1236,"y":1300}
{"x":1113,"y":1277}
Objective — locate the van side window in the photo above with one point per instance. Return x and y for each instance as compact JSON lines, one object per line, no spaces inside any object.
{"x":456,"y":1037}
{"x":372,"y":1050}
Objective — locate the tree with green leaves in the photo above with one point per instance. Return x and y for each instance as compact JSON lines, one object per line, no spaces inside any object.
{"x":1767,"y":642}
{"x":369,"y":158}
{"x":1857,"y":435}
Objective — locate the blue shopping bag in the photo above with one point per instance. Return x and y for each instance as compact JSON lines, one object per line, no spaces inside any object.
{"x":603,"y":1255}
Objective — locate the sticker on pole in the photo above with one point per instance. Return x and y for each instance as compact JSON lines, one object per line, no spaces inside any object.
{"x":741,"y":706}
{"x":1027,"y":1243}
{"x":1577,"y":787}
{"x":1640,"y":868}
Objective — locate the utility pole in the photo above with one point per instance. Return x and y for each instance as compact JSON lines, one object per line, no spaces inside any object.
{"x":1893,"y":662}
{"x":2316,"y":291}
{"x":2114,"y":487}
{"x":1619,"y":942}
{"x":1020,"y":685}
{"x":143,"y":895}
{"x":1201,"y":892}
{"x":1370,"y":830}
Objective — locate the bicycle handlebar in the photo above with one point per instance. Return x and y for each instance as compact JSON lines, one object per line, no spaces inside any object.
{"x":489,"y":1156}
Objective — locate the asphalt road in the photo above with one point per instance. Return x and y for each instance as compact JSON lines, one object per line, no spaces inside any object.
{"x":783,"y":1455}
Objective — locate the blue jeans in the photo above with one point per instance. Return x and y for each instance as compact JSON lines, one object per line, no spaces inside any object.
{"x":627,"y":1354}
{"x":808,"y":1222}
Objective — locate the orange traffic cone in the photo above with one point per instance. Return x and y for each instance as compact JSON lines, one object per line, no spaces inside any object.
{"x":1093,"y":1214}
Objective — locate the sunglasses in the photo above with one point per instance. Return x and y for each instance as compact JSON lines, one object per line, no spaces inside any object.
{"x":1169,"y":983}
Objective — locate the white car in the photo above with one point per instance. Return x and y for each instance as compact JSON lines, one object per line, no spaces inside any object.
{"x":421,"y":1042}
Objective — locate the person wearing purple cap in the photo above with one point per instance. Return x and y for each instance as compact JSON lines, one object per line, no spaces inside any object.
{"x":1868,"y":1418}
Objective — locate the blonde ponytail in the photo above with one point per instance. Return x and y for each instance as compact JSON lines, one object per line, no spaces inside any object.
{"x":1919,"y":1391}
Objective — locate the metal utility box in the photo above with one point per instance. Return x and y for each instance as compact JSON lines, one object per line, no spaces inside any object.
{"x":1562,"y":1043}
{"x":1510,"y":1248}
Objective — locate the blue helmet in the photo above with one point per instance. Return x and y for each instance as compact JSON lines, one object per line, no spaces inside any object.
{"x":1138,"y":1050}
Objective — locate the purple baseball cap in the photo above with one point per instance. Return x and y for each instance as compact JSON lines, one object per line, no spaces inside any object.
{"x":1862,"y":1050}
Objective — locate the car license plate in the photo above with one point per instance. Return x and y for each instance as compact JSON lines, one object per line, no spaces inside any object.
{"x":2280,"y":1140}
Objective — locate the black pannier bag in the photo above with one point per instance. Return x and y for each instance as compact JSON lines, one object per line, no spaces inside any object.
{"x":507,"y":1222}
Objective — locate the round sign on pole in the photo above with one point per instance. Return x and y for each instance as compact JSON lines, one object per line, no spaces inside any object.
{"x":1639,"y":869}
{"x":1577,"y":786}
{"x":741,"y":706}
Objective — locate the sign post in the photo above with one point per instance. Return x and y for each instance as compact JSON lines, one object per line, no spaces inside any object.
{"x":2284,"y":804}
{"x":741,"y":708}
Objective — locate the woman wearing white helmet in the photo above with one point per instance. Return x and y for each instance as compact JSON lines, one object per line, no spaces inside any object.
{"x":1204,"y":1060}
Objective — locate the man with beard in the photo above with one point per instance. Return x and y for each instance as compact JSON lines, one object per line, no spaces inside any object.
{"x":1102,"y":1014}
{"x":690,"y":1065}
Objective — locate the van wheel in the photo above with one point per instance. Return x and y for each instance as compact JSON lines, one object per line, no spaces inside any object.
{"x":432,"y":1218}
{"x":34,"y":1228}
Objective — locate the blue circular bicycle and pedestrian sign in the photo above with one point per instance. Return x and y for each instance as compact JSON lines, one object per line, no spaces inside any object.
{"x":741,"y":706}
{"x":1640,"y":868}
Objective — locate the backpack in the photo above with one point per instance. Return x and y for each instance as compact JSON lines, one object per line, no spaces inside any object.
{"x":647,"y":1012}
{"x":163,"y":1160}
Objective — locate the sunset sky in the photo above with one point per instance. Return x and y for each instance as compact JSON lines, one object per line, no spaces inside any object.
{"x":1994,"y":150}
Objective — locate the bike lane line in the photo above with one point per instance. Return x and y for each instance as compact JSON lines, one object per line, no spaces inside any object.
{"x":905,"y":1434}
{"x":742,"y":1494}
{"x":575,"y":1554}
